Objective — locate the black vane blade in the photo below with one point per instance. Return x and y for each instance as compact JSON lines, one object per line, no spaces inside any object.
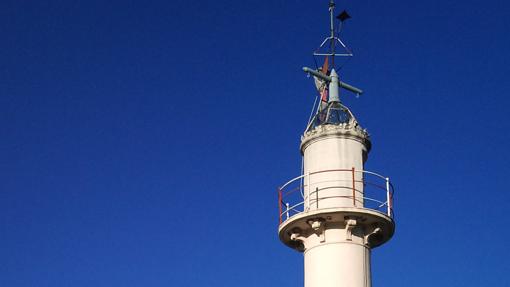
{"x":343,"y":16}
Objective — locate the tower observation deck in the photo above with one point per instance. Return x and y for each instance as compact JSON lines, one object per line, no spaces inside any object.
{"x":335,"y":212}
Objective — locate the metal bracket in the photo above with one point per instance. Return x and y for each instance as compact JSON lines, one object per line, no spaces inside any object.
{"x":318,"y":227}
{"x":374,"y":236}
{"x":349,"y":226}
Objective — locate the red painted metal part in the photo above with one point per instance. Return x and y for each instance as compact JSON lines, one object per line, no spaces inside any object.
{"x":353,"y":188}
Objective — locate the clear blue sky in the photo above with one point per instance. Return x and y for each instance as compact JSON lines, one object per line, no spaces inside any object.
{"x":141,"y":142}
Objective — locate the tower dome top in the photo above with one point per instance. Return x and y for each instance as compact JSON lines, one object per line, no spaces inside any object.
{"x":334,"y":113}
{"x":338,"y":121}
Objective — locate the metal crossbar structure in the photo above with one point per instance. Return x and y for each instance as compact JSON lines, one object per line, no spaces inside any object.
{"x":370,"y":191}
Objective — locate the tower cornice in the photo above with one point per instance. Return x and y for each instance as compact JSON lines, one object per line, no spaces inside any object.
{"x":350,"y":131}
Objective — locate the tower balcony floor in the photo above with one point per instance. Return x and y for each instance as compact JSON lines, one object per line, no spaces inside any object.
{"x":334,"y":196}
{"x":370,"y":218}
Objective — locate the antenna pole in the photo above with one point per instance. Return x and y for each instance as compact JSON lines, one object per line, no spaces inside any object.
{"x":332,"y":30}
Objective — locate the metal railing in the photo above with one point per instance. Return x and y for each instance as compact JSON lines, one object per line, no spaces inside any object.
{"x":366,"y":189}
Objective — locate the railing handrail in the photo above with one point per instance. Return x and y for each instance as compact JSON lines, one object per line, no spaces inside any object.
{"x":292,"y":208}
{"x":288,"y":208}
{"x":292,"y":180}
{"x":333,"y":170}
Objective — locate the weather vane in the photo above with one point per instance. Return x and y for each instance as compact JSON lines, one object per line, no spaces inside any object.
{"x":333,"y":39}
{"x":324,"y":74}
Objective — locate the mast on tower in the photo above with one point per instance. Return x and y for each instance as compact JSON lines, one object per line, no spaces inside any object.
{"x":327,"y":81}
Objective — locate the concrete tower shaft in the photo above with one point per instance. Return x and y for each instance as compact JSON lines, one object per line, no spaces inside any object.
{"x":338,"y":216}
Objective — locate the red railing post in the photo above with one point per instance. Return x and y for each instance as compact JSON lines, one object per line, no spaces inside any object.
{"x":317,"y":198}
{"x":353,"y":188}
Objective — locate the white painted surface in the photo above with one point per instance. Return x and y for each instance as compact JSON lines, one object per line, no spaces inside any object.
{"x":337,"y":264}
{"x":333,"y":151}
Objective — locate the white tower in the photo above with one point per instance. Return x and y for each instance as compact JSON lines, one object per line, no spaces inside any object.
{"x":336,"y":211}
